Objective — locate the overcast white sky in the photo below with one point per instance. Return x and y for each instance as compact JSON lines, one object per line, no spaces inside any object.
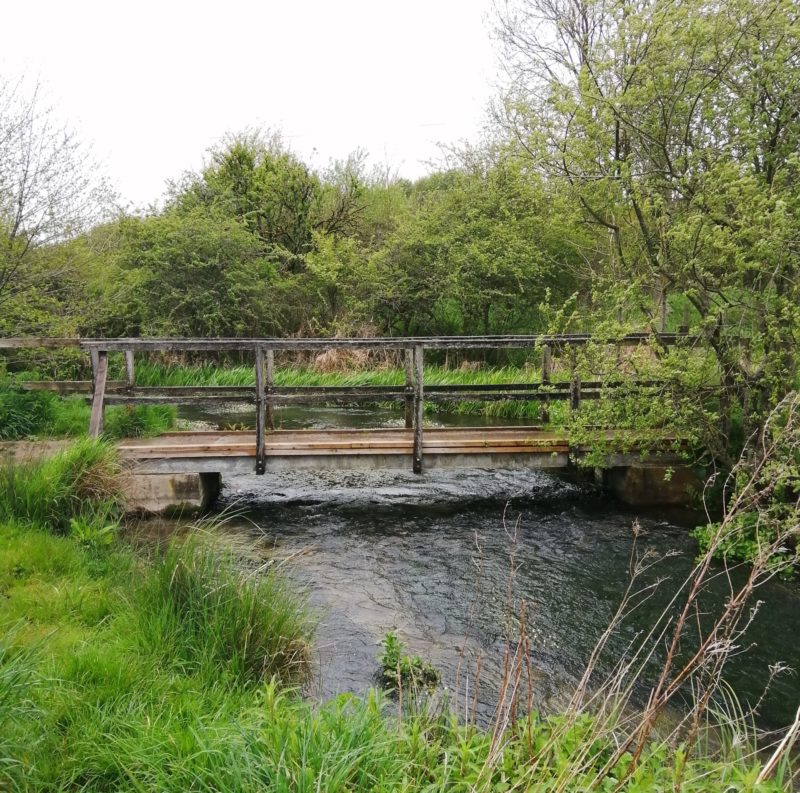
{"x":153,"y":84}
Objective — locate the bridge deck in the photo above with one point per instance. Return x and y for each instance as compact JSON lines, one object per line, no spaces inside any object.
{"x":353,"y":448}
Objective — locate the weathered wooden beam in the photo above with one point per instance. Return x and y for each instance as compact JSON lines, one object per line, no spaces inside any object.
{"x":385,"y":343}
{"x":574,"y":381}
{"x":419,"y":405}
{"x":270,"y":401}
{"x":408,"y":365}
{"x":130,"y":372}
{"x":547,"y":365}
{"x":93,"y":357}
{"x":44,"y":342}
{"x":98,"y":395}
{"x":68,"y":386}
{"x":261,"y":411}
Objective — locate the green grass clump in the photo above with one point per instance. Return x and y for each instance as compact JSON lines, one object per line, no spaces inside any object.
{"x":82,"y":482}
{"x":24,"y":413}
{"x":208,"y":615}
{"x":27,"y":414}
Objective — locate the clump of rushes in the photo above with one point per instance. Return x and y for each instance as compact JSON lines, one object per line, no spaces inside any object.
{"x":210,"y":616}
{"x":401,"y":671}
{"x":81,"y":483}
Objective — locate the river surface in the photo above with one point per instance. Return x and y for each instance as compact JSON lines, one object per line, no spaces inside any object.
{"x":431,"y":558}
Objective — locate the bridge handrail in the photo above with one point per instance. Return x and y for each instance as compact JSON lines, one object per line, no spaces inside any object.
{"x":266,"y":394}
{"x":190,"y":344}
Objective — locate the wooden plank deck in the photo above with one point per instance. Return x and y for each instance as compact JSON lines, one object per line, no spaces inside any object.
{"x":351,"y":448}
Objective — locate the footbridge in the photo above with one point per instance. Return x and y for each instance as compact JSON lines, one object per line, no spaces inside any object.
{"x":414,"y":445}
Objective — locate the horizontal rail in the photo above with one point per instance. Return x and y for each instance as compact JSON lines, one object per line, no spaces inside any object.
{"x":118,"y":392}
{"x":305,"y":344}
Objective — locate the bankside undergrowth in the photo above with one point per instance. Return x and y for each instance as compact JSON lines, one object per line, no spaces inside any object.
{"x":27,"y":414}
{"x":168,"y":669}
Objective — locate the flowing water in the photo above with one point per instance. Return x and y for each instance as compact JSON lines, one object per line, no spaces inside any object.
{"x":431,"y":557}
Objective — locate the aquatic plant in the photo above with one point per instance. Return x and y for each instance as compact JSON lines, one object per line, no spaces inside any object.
{"x":399,"y":670}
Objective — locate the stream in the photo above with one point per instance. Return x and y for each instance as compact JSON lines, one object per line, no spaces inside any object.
{"x":431,"y":556}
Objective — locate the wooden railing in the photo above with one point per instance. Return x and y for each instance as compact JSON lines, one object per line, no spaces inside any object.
{"x":266,"y":395}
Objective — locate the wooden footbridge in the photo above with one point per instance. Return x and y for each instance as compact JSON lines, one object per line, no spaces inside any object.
{"x":413,"y":445}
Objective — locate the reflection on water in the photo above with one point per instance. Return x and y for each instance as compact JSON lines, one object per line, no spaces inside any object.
{"x":430,"y":557}
{"x":325,"y":418}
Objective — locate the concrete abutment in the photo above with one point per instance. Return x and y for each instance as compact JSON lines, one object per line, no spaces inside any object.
{"x":171,"y":494}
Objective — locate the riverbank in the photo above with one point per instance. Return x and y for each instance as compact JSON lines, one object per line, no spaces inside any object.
{"x":127,"y":667}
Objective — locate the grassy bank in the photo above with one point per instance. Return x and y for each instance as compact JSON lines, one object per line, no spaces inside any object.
{"x":175,"y":669}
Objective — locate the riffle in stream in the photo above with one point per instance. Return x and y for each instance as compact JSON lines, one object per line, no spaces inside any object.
{"x":431,"y":557}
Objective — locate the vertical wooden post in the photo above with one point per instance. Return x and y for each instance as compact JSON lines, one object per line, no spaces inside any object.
{"x":99,"y":375}
{"x":418,"y":408}
{"x":409,"y":368}
{"x":260,"y":412}
{"x":270,"y":388}
{"x":130,"y":376}
{"x":547,"y":365}
{"x":93,"y":359}
{"x":574,"y":381}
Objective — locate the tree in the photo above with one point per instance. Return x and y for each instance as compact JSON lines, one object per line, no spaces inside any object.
{"x":675,"y":126}
{"x":188,"y":274}
{"x":48,"y":190}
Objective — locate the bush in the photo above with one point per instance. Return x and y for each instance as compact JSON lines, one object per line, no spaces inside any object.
{"x":82,"y":482}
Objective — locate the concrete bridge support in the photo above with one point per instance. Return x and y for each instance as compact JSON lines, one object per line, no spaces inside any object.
{"x":650,"y":485}
{"x":171,"y":494}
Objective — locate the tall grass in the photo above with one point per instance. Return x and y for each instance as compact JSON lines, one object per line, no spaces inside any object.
{"x":17,"y":678}
{"x":126,"y":697}
{"x":25,"y":414}
{"x":82,"y":482}
{"x":208,"y":616}
{"x":153,"y":374}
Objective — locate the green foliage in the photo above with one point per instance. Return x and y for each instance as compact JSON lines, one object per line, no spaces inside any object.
{"x":91,"y":533}
{"x":17,"y":678}
{"x":24,"y":413}
{"x":80,"y":483}
{"x":760,"y":497}
{"x":401,"y":671}
{"x":27,"y":414}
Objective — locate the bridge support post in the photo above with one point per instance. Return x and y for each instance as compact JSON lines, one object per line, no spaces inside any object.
{"x":418,"y":408}
{"x":547,"y":365}
{"x":130,"y":375}
{"x":270,"y":358}
{"x":99,"y":376}
{"x":408,"y":362}
{"x":260,"y":413}
{"x":574,"y":382}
